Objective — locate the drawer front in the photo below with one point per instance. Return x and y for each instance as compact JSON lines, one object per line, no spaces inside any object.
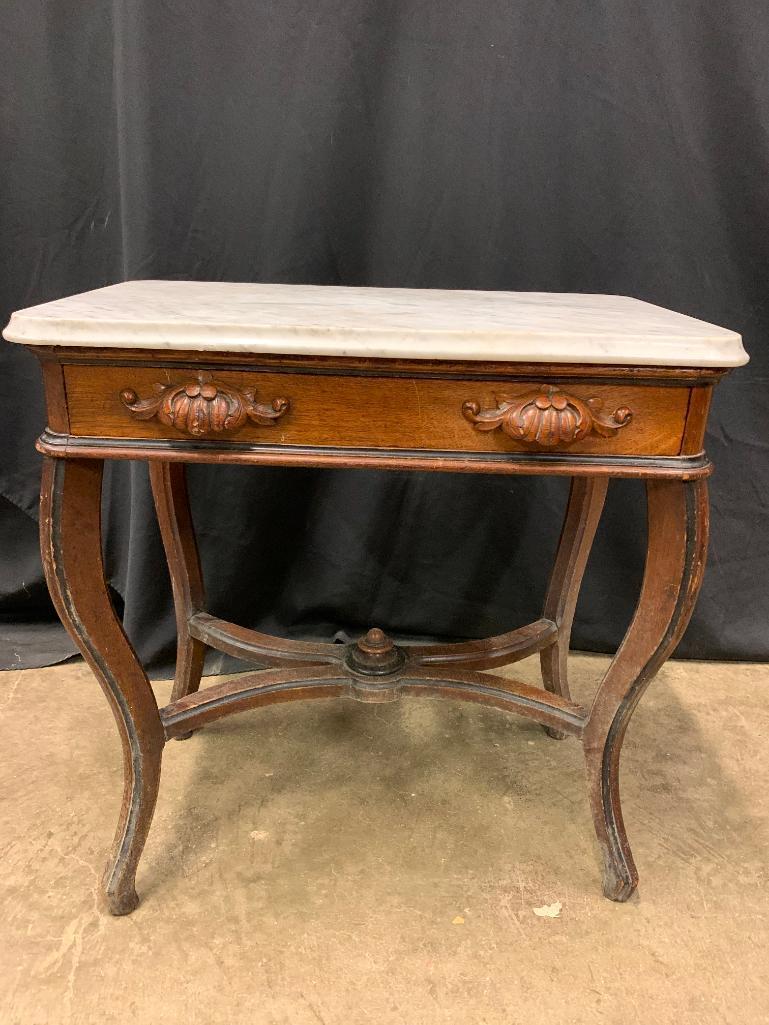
{"x":376,"y":412}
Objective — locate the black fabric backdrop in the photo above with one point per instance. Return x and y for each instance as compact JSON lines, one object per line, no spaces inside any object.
{"x":497,"y":144}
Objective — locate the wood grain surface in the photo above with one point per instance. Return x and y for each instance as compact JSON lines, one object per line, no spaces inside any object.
{"x":333,"y":410}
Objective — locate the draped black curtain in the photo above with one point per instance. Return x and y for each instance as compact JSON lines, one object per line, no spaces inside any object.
{"x":496,"y":144}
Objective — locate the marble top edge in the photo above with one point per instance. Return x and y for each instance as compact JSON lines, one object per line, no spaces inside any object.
{"x":378,"y":322}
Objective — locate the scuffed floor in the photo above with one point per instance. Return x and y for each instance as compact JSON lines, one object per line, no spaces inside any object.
{"x":342,"y":864}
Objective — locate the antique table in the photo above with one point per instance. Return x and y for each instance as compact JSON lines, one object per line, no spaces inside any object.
{"x":174,"y":372}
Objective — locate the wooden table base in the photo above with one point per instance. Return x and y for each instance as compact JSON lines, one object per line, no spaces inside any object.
{"x":374,"y":669}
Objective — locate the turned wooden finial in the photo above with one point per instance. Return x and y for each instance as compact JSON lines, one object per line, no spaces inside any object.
{"x":375,"y":654}
{"x":375,"y":643}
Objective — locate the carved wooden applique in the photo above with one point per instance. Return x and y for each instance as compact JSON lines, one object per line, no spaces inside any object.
{"x":548,"y":417}
{"x":203,"y":406}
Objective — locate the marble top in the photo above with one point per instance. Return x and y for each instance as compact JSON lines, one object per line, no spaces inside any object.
{"x":378,"y":322}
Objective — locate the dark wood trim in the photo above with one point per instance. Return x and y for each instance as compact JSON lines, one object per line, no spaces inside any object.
{"x":55,"y":386}
{"x":68,"y":446}
{"x":172,"y":507}
{"x":550,"y":710}
{"x":502,"y":650}
{"x":263,"y":649}
{"x":254,"y":690}
{"x":696,"y":420}
{"x":375,"y":367}
{"x":273,"y":686}
{"x":252,"y":646}
{"x":583,"y":514}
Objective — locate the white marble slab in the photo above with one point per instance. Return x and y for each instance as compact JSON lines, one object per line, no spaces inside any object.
{"x":379,"y":322}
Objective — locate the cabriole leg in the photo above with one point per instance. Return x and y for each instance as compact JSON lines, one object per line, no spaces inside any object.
{"x":70,"y":531}
{"x":169,"y":490}
{"x":675,"y":560}
{"x":583,"y":513}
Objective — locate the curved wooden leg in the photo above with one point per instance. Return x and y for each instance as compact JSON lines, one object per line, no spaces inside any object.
{"x":70,"y":534}
{"x":675,"y":560}
{"x":169,"y":490}
{"x":583,"y":513}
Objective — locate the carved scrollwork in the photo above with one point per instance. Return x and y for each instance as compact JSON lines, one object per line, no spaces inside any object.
{"x":203,"y":406}
{"x":548,"y":417}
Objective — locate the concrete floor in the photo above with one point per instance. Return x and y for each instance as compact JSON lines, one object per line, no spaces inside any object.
{"x":336,"y":863}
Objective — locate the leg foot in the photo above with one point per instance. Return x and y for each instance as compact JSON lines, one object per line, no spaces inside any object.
{"x":555,"y":734}
{"x":618,"y":888}
{"x":675,"y":560}
{"x":118,"y":904}
{"x":70,"y":532}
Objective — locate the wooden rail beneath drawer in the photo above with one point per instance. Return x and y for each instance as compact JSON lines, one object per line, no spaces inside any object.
{"x":534,"y":463}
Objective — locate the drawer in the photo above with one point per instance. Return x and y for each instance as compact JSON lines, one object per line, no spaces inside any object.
{"x":371,"y":411}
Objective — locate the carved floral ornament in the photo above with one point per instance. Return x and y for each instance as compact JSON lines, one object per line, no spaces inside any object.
{"x":548,"y":417}
{"x":203,"y":406}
